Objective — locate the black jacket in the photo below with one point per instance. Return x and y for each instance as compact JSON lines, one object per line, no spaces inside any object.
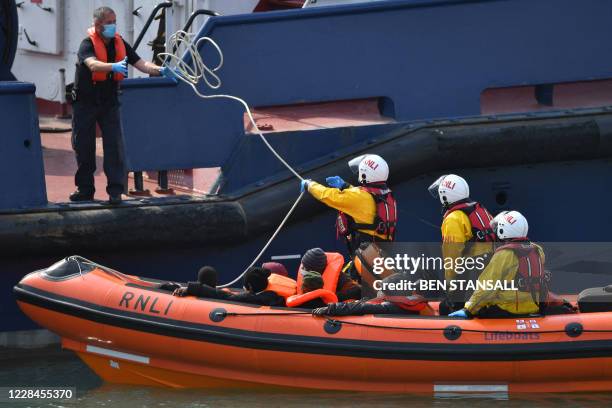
{"x":265,"y":298}
{"x":347,"y":289}
{"x":313,"y":304}
{"x":362,"y":307}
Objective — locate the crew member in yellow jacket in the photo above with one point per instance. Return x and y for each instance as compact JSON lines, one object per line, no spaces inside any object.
{"x":466,"y":229}
{"x":514,"y":281}
{"x":367,"y":212}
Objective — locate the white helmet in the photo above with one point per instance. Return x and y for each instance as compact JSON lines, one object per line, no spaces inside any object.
{"x":510,"y":225}
{"x":450,"y":188}
{"x":370,"y":168}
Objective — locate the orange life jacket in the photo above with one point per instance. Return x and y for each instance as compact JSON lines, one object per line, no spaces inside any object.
{"x":281,"y":285}
{"x":479,"y":217}
{"x":325,"y":295}
{"x":102,"y":55}
{"x":330,"y":275}
{"x":385,"y":219}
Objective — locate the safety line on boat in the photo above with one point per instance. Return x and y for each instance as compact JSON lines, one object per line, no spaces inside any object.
{"x":264,"y":314}
{"x":375,"y":326}
{"x":335,"y":321}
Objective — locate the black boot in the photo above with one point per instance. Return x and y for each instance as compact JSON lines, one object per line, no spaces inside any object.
{"x":78,"y":196}
{"x":114,"y":199}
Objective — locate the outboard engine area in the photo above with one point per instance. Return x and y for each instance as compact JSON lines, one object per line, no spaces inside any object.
{"x":595,"y":300}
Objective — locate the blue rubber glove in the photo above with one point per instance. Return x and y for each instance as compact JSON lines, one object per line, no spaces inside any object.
{"x":335,"y":181}
{"x":169,"y":73}
{"x":459,"y":313}
{"x":304,"y":185}
{"x":121,"y":67}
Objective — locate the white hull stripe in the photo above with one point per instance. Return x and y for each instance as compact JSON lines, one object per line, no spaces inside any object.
{"x":281,"y":257}
{"x":470,"y":388}
{"x":117,"y":354}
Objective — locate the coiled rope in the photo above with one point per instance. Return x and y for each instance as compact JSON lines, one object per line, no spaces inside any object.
{"x":189,"y":67}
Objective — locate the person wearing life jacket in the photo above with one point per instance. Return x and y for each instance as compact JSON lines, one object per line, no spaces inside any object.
{"x":367,"y":212}
{"x":312,"y":281}
{"x":316,"y":260}
{"x":103,"y":59}
{"x":552,"y":303}
{"x":320,"y":280}
{"x":388,"y":301}
{"x":261,"y":287}
{"x":517,"y":261}
{"x":466,"y":233}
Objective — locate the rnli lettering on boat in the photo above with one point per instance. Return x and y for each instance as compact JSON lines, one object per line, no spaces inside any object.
{"x":144,"y":303}
{"x":496,"y":336}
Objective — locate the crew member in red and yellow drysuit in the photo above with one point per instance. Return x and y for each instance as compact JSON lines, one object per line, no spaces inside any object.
{"x":519,"y":264}
{"x":367,"y":212}
{"x":466,"y":233}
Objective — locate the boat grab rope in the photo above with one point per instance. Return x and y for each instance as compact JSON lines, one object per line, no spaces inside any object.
{"x":190,"y":68}
{"x":377,"y":326}
{"x":81,"y":260}
{"x":237,"y":314}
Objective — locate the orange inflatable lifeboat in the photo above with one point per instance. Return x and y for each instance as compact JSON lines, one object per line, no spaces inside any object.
{"x":129,"y":331}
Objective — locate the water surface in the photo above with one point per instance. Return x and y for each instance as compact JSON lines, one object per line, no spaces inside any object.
{"x":61,"y":369}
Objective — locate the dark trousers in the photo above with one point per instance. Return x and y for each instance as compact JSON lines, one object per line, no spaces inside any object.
{"x":84,"y":119}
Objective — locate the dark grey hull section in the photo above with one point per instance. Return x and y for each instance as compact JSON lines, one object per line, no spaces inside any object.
{"x":410,"y":150}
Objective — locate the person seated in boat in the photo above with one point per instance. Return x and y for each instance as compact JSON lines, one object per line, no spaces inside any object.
{"x":367,"y":212}
{"x":312,"y":281}
{"x":388,"y":301}
{"x":517,"y":263}
{"x":320,"y":280}
{"x":255,"y":290}
{"x":466,"y":232}
{"x":207,"y":275}
{"x":315,"y":260}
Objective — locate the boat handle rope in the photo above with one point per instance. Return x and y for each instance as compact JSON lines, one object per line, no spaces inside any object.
{"x":235,"y":314}
{"x":334,"y":321}
{"x":376,"y":326}
{"x":79,"y":259}
{"x":191,"y":69}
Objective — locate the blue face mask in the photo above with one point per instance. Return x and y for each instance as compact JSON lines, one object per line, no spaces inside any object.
{"x":109,"y":30}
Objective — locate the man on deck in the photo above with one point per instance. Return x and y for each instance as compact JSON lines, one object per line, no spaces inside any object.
{"x":103,"y":58}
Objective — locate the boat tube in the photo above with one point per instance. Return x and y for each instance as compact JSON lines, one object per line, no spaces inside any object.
{"x":130,"y":331}
{"x":410,"y":150}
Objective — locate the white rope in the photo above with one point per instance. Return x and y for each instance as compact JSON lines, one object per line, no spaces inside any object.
{"x":190,"y":68}
{"x":227,"y":285}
